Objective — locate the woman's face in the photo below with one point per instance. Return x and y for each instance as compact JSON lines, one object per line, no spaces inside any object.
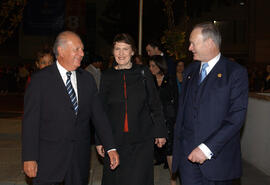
{"x":44,"y":61}
{"x":153,"y":68}
{"x":180,"y":67}
{"x":122,"y":53}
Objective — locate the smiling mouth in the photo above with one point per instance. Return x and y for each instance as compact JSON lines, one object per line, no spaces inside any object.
{"x":78,"y":60}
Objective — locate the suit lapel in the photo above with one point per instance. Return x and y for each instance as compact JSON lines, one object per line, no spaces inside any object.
{"x":60,"y":82}
{"x":62,"y":87}
{"x":191,"y":81}
{"x":211,"y":79}
{"x":79,"y":87}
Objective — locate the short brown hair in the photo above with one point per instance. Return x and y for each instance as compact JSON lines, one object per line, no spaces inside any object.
{"x":125,"y":38}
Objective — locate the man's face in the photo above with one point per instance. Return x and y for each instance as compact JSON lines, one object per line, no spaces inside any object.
{"x":151,"y":51}
{"x":71,"y":54}
{"x":198,"y":46}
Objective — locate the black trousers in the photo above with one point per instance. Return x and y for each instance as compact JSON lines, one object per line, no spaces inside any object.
{"x":191,"y":174}
{"x":37,"y":182}
{"x":72,"y":176}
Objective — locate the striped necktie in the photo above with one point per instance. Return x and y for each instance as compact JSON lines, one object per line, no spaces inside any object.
{"x":71,"y":93}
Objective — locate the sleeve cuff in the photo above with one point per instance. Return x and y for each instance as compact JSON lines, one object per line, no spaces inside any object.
{"x":113,"y":149}
{"x":207,"y":152}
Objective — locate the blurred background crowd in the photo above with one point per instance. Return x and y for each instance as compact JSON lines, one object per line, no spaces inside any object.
{"x":13,"y":78}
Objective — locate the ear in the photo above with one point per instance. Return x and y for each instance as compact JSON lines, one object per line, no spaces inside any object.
{"x":209,"y":43}
{"x":60,"y":51}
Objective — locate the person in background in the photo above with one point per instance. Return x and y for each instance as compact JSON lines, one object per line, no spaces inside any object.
{"x":180,"y":66}
{"x":23,"y":75}
{"x":213,"y":101}
{"x":154,"y":48}
{"x":138,"y":59}
{"x":266,"y":87}
{"x":168,"y":94}
{"x":94,"y":68}
{"x":110,"y":62}
{"x":44,"y":58}
{"x":59,"y":103}
{"x":131,"y":101}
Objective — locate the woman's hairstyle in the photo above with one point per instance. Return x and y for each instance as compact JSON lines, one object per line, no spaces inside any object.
{"x":160,"y":62}
{"x":178,"y":61}
{"x":125,"y":38}
{"x":43,"y":52}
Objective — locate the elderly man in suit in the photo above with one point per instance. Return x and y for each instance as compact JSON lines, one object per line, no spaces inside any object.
{"x":212,"y":110}
{"x":59,"y":103}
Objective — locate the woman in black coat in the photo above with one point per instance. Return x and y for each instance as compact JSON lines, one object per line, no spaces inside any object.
{"x":168,"y":93}
{"x":132,"y":104}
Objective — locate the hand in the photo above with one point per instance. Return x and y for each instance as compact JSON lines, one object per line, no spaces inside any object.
{"x":160,"y":142}
{"x":100,"y":150}
{"x":114,"y":159}
{"x":30,"y":168}
{"x":197,"y":156}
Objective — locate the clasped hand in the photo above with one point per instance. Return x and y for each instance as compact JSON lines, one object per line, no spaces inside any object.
{"x":160,"y":142}
{"x":113,"y":155}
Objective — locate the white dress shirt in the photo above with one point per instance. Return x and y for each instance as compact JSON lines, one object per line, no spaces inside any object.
{"x":211,"y":63}
{"x":73,"y":79}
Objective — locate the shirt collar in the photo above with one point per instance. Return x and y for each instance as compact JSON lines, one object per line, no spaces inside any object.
{"x":211,"y":63}
{"x":62,"y":70}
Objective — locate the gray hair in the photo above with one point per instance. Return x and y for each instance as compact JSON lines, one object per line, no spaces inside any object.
{"x":61,"y":40}
{"x":209,"y":30}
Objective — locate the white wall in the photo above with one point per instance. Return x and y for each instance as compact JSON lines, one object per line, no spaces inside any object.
{"x":256,"y":135}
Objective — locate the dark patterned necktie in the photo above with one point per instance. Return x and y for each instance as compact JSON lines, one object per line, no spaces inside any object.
{"x":71,"y":93}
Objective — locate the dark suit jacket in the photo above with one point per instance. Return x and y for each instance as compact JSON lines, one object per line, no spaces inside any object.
{"x":51,"y":133}
{"x":212,"y":113}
